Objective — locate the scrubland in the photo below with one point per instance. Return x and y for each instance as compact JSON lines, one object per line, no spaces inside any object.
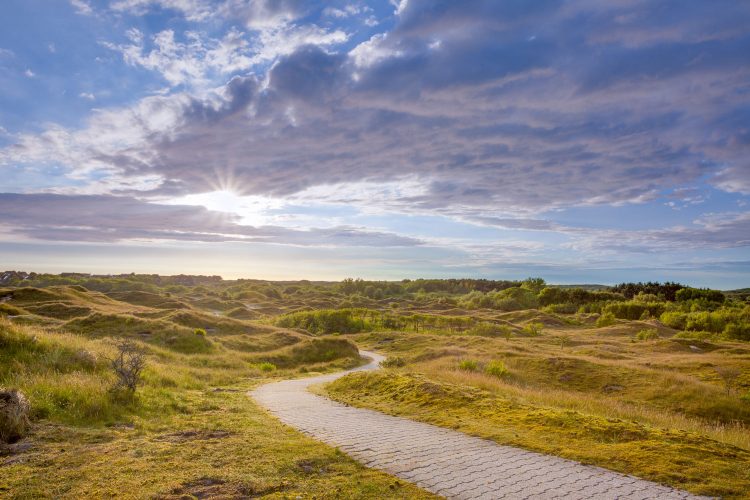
{"x":648,"y":379}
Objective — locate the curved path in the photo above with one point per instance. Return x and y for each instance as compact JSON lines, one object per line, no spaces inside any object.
{"x":443,"y":461}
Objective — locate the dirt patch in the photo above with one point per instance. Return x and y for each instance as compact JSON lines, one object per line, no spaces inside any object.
{"x":309,"y":466}
{"x":194,"y":435}
{"x":217,"y":488}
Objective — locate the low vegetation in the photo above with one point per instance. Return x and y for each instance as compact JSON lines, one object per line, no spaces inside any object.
{"x":649,"y":379}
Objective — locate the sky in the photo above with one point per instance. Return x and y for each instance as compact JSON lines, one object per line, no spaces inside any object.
{"x":577,"y":140}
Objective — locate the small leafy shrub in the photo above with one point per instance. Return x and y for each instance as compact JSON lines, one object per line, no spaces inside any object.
{"x":606,"y":319}
{"x":647,"y":334}
{"x":496,"y":369}
{"x":533,"y":329}
{"x":468,"y":365}
{"x":393,"y":362}
{"x":487,"y":329}
{"x":566,"y":308}
{"x":266,"y":367}
{"x":634,"y":309}
{"x":674,"y":319}
{"x":200,"y":331}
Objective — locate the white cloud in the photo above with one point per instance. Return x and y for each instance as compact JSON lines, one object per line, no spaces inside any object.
{"x":276,"y":42}
{"x":29,"y":73}
{"x":192,"y":62}
{"x":87,"y":95}
{"x":373,"y":51}
{"x":82,"y":7}
{"x":193,"y":10}
{"x":198,"y":60}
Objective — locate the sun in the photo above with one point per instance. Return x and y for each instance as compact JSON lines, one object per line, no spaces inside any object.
{"x":252,"y":210}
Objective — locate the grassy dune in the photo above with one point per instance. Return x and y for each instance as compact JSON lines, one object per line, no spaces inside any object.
{"x":190,"y":431}
{"x":645,"y":379}
{"x":657,"y":409}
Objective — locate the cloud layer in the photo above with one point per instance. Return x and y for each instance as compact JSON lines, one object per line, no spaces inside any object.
{"x":492,"y":114}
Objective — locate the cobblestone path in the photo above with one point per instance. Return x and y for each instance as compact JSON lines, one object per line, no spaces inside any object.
{"x":443,"y":461}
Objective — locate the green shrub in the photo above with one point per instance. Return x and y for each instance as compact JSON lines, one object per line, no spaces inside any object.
{"x":566,"y":308}
{"x":325,"y":321}
{"x":647,"y":334}
{"x":200,"y":331}
{"x":533,"y":329}
{"x":606,"y":319}
{"x":393,"y":362}
{"x":266,"y":366}
{"x":634,"y":309}
{"x":687,"y":294}
{"x":738,"y":331}
{"x":496,"y":369}
{"x":487,"y":329}
{"x":468,"y":365}
{"x":674,"y":319}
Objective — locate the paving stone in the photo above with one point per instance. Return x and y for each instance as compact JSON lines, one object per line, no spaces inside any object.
{"x":444,"y":461}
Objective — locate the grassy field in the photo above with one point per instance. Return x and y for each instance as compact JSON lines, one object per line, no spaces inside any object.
{"x":658,"y":409}
{"x":647,"y":379}
{"x":190,"y":431}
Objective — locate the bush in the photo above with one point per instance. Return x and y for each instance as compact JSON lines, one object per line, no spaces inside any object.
{"x":647,"y":334}
{"x":635,"y":310}
{"x":533,"y":329}
{"x":674,"y":319}
{"x":128,"y":365}
{"x":496,"y":369}
{"x":266,"y":367}
{"x":566,"y":308}
{"x":325,"y":321}
{"x":687,"y":294}
{"x":486,"y":329}
{"x":468,"y":365}
{"x":393,"y":362}
{"x":14,"y":415}
{"x":200,"y":331}
{"x":606,"y":319}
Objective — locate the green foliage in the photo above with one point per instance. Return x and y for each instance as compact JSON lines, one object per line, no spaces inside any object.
{"x":393,"y":362}
{"x":566,"y":308}
{"x":647,"y":334}
{"x":496,"y":368}
{"x":468,"y":365}
{"x":665,"y":291}
{"x":533,"y":329}
{"x":729,"y":322}
{"x":511,"y":299}
{"x":487,"y":329}
{"x":706,"y":294}
{"x":674,"y":319}
{"x":535,"y":285}
{"x":606,"y":319}
{"x":325,"y":321}
{"x":634,"y":309}
{"x":575,"y":296}
{"x":200,"y":331}
{"x":266,"y":366}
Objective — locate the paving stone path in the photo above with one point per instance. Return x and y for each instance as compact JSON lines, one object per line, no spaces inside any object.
{"x":443,"y":461}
